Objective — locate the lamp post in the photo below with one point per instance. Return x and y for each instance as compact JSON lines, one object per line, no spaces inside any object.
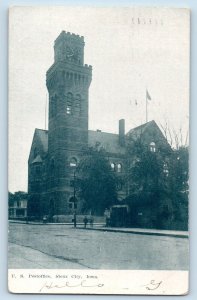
{"x":74,"y":199}
{"x":73,"y":165}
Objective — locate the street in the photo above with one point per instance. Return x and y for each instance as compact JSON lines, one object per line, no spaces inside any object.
{"x":64,"y":247}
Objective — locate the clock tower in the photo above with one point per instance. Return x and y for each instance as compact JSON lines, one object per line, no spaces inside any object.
{"x":68,"y":81}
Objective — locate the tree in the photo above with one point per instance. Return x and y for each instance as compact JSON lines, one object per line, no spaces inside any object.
{"x":96,"y":181}
{"x":10,"y":199}
{"x":178,"y":184}
{"x":17,"y":196}
{"x":158,"y":183}
{"x":147,"y":171}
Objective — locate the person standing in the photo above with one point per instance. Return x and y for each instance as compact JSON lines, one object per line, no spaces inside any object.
{"x":75,"y":220}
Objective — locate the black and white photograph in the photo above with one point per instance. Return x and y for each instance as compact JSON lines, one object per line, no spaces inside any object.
{"x":98,"y":150}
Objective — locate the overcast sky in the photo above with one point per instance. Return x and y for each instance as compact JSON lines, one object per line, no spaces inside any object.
{"x":130,"y":49}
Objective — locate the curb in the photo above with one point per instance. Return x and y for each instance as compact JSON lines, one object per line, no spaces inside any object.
{"x":138,"y":232}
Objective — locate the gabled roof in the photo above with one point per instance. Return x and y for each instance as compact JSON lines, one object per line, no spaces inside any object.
{"x":137,"y":131}
{"x":40,"y":142}
{"x":109,"y":141}
{"x":149,"y":131}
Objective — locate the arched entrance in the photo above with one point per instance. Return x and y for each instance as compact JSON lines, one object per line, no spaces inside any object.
{"x":72,"y":203}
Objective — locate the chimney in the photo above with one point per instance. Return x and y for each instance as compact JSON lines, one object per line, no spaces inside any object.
{"x":122,"y":132}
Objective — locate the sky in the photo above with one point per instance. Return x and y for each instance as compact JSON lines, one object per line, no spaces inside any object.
{"x":131,"y":50}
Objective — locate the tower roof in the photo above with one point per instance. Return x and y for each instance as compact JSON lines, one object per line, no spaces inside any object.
{"x":43,"y":136}
{"x":69,"y":36}
{"x":38,"y":159}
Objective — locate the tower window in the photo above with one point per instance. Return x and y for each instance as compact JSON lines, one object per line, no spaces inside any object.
{"x":77,"y":104}
{"x":152,"y":147}
{"x":68,"y":110}
{"x":69,"y":103}
{"x":113,"y":166}
{"x":165,"y":169}
{"x":73,"y":162}
{"x":119,"y":168}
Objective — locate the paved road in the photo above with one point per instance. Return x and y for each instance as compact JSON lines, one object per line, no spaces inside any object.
{"x":60,"y":246}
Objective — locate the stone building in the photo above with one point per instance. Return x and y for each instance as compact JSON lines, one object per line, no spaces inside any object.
{"x":56,"y":152}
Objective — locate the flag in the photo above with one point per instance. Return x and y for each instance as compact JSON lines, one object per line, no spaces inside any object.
{"x":147,"y":95}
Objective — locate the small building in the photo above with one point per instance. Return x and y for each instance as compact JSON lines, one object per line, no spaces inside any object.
{"x":18,"y":209}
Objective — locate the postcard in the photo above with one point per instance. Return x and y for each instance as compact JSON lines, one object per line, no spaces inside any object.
{"x":98,"y":150}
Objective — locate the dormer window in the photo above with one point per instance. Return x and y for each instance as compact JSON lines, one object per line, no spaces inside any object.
{"x":152,"y":147}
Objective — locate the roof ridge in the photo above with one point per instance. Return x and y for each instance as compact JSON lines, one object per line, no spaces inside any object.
{"x":102,"y":132}
{"x":142,"y":126}
{"x":46,"y":130}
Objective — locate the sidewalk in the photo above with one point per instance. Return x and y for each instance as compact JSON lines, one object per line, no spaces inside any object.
{"x":101,"y":227}
{"x":143,"y":231}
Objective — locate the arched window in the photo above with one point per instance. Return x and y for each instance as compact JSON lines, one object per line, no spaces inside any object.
{"x":73,"y":162}
{"x":73,"y":203}
{"x":69,"y":103}
{"x":119,"y":168}
{"x":152,"y":147}
{"x":113,"y":167}
{"x":165,"y":169}
{"x":119,"y":186}
{"x":78,"y":104}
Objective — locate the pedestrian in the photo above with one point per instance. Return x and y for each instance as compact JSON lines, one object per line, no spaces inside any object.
{"x":107,"y":221}
{"x":85,"y":221}
{"x":75,"y":220}
{"x":44,"y":220}
{"x":91,"y":221}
